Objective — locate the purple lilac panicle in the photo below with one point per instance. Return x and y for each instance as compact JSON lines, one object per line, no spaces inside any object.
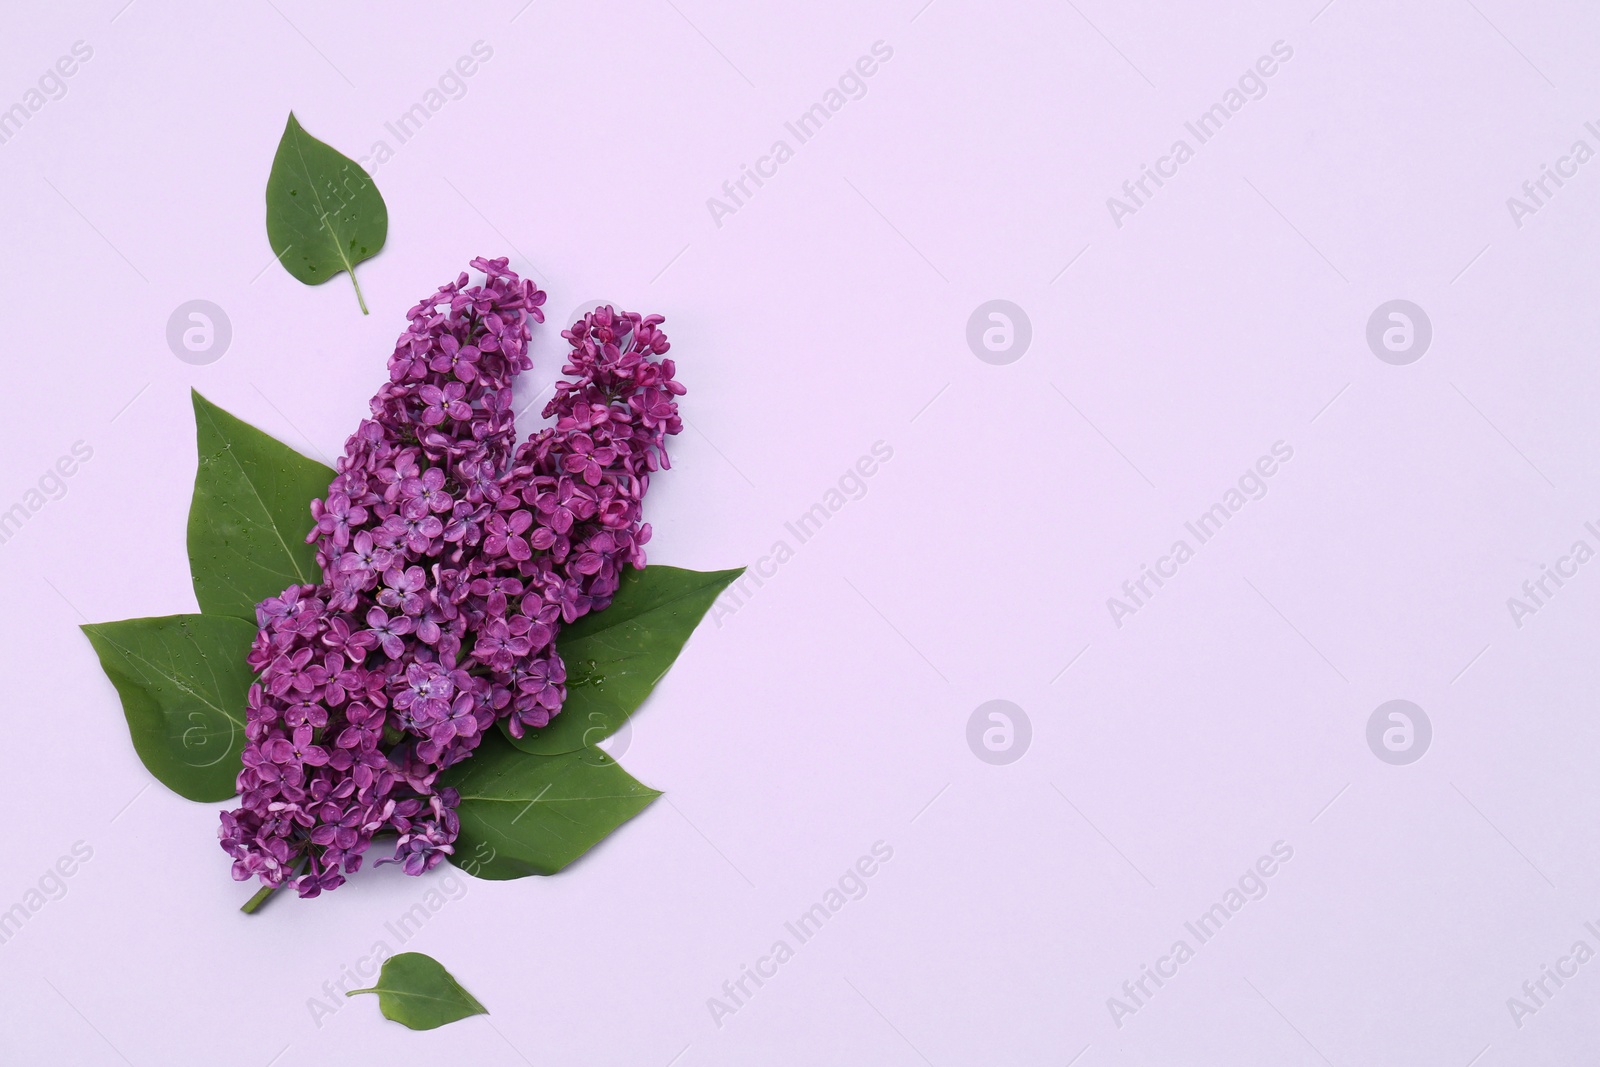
{"x":451,"y":556}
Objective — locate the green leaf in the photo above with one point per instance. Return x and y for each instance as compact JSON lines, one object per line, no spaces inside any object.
{"x":416,"y":991}
{"x":523,"y":814}
{"x":324,"y":214}
{"x":183,"y":683}
{"x":250,"y":515}
{"x":615,"y":657}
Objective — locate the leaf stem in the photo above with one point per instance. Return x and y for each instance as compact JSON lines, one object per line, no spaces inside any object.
{"x":359,"y":298}
{"x":353,"y":992}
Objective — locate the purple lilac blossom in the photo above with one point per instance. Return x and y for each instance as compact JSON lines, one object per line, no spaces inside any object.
{"x":451,"y":557}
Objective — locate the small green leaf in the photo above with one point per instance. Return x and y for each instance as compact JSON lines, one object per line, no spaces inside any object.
{"x":416,"y":991}
{"x":523,"y":814}
{"x":250,"y":515}
{"x":615,"y":657}
{"x":324,"y":214}
{"x":183,"y":683}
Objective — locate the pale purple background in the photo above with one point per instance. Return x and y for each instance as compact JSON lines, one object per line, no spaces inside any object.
{"x":830,"y":710}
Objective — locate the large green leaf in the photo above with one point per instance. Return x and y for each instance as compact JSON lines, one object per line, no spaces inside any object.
{"x":615,"y":657}
{"x":250,"y":514}
{"x":183,"y":684}
{"x":417,"y":991}
{"x":523,"y":814}
{"x":324,"y":214}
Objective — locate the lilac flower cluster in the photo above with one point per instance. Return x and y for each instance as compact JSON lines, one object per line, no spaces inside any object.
{"x":451,"y":556}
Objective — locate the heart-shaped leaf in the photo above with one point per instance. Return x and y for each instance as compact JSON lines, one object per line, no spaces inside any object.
{"x":416,"y":991}
{"x":615,"y":657}
{"x":250,"y":514}
{"x":523,"y":814}
{"x":324,"y":214}
{"x":183,"y":683}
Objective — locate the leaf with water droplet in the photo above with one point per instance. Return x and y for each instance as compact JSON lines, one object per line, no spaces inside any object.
{"x":250,"y":514}
{"x":623,"y":651}
{"x":183,"y":683}
{"x":523,"y":814}
{"x":339,"y":221}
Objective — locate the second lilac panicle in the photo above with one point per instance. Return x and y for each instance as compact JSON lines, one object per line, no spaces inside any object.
{"x":451,"y":556}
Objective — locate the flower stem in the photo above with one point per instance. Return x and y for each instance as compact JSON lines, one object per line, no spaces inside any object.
{"x":249,"y":907}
